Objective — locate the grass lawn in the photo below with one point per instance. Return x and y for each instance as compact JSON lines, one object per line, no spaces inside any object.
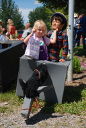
{"x":74,"y":102}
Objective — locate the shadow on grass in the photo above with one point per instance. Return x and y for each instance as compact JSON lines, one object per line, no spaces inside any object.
{"x":79,"y":51}
{"x":81,"y":77}
{"x":73,"y":93}
{"x":39,"y":117}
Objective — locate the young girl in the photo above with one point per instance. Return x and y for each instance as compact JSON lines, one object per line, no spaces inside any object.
{"x":37,"y":42}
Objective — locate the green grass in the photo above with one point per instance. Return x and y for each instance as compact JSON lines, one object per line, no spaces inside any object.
{"x":13,"y":101}
{"x":74,"y":102}
{"x":79,"y":51}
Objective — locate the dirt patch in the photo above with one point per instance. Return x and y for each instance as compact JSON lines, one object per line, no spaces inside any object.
{"x":2,"y":104}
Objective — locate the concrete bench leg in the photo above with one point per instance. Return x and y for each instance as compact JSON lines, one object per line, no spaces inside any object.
{"x":26,"y":107}
{"x":27,"y":104}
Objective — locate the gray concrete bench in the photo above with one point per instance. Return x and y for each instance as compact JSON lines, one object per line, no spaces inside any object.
{"x":53,"y":93}
{"x":55,"y":84}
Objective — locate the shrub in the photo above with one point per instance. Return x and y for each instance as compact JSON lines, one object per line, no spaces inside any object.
{"x":76,"y":65}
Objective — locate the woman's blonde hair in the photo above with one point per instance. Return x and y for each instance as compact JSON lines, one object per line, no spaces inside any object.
{"x":40,"y":24}
{"x":10,"y":22}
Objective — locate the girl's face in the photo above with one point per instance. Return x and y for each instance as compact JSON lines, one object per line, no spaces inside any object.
{"x":40,"y":32}
{"x":56,"y":24}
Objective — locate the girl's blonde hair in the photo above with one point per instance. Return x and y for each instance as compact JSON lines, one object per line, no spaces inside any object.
{"x":40,"y":24}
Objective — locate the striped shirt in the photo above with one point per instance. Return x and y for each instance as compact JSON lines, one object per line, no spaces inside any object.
{"x":61,"y":43}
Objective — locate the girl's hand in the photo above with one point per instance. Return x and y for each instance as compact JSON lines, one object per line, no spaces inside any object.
{"x":33,"y":30}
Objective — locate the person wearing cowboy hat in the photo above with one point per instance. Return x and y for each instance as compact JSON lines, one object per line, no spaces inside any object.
{"x":59,"y":38}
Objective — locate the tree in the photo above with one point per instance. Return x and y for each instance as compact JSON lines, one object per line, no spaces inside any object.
{"x":9,"y":10}
{"x":79,"y":4}
{"x":54,"y":3}
{"x":42,"y":13}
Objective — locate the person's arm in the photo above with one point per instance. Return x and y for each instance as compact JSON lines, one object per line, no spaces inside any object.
{"x":9,"y":28}
{"x":53,"y":37}
{"x":28,"y":37}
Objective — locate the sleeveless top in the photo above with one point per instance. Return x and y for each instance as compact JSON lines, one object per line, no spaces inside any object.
{"x":12,"y":29}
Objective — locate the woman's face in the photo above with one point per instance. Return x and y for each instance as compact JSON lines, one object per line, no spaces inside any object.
{"x":56,"y":24}
{"x":40,"y":32}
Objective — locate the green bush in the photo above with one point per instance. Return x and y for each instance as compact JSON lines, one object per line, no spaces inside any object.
{"x":76,"y":65}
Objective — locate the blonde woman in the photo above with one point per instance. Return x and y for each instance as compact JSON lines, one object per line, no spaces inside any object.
{"x":11,"y":29}
{"x":37,"y":41}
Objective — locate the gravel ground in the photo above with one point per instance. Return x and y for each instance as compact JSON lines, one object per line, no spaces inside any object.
{"x":42,"y":120}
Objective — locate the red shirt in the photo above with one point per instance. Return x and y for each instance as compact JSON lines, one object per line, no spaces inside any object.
{"x":12,"y":29}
